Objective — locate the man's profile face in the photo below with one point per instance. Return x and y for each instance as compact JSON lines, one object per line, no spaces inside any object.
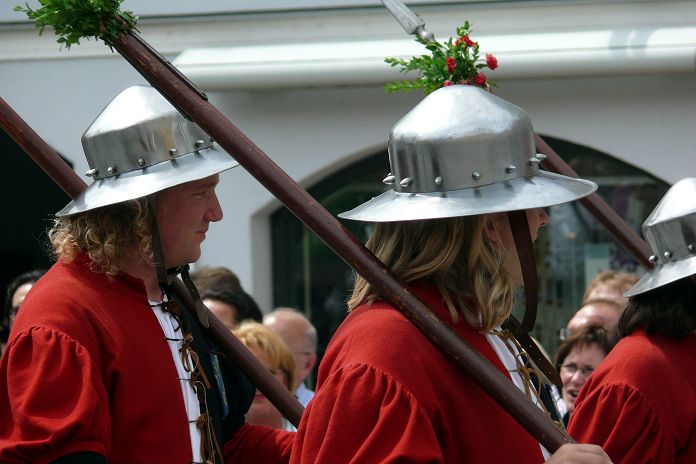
{"x":184,"y":213}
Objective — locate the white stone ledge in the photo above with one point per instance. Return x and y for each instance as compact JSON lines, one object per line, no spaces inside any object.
{"x":571,"y":54}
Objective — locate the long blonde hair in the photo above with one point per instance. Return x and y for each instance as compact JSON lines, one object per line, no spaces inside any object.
{"x":455,"y":255}
{"x":108,"y":235}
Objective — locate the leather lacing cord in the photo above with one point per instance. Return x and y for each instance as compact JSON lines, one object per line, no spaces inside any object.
{"x":527,"y":370}
{"x":210,"y":448}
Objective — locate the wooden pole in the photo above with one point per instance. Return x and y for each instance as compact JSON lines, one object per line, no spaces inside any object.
{"x":626,"y":236}
{"x":192,"y":103}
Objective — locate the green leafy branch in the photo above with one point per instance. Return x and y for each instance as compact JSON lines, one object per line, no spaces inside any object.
{"x":73,"y":20}
{"x":456,"y":61}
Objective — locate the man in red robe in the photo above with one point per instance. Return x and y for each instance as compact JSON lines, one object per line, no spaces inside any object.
{"x":640,"y":403}
{"x":103,"y":364}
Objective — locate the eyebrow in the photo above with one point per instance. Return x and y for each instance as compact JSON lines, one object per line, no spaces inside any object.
{"x":195,"y":185}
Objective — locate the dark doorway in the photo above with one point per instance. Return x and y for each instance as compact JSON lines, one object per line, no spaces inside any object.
{"x":30,"y":199}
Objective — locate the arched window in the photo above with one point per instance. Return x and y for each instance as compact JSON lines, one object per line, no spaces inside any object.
{"x":570,"y":250}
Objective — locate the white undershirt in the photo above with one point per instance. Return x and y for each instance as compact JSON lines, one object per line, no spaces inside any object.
{"x":501,"y":349}
{"x":193,"y":407}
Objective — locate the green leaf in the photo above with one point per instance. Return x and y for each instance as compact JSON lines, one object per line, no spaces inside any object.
{"x":433,"y":70}
{"x":73,"y":20}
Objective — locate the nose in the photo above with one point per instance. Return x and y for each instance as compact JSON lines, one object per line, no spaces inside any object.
{"x":214,"y":212}
{"x":578,"y":378}
{"x":543,"y":217}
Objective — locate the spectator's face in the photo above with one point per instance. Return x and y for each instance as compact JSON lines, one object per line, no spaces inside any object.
{"x":262,"y":411}
{"x":223,"y":311}
{"x":17,"y":300}
{"x":293,"y":332}
{"x":184,"y":213}
{"x":576,"y":369}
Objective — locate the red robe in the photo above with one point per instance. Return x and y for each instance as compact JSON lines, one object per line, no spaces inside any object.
{"x":87,"y":369}
{"x":386,"y":394}
{"x":640,"y":403}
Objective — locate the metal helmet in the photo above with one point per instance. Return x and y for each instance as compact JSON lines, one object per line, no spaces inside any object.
{"x":463,"y":151}
{"x":139,"y":145}
{"x":671,"y":233}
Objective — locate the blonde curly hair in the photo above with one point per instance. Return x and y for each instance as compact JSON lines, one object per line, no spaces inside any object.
{"x":455,"y":255}
{"x":108,"y":235}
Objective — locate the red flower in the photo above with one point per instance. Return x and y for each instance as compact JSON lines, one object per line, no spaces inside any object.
{"x":465,"y":40}
{"x":480,"y":79}
{"x":491,"y":61}
{"x":447,"y":83}
{"x":451,"y":64}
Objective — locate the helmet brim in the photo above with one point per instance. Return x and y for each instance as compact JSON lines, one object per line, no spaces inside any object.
{"x":663,"y":274}
{"x":537,"y":191}
{"x":143,"y":182}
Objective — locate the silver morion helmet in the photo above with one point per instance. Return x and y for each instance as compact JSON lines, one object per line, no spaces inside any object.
{"x":463,"y":151}
{"x":139,"y":145}
{"x":671,"y":233}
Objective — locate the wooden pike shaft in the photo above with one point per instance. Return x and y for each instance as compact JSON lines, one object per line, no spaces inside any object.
{"x":190,"y":101}
{"x":626,"y":236}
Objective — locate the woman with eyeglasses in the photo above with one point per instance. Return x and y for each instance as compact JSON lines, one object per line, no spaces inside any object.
{"x":576,"y":358}
{"x":640,"y":403}
{"x":275,"y":355}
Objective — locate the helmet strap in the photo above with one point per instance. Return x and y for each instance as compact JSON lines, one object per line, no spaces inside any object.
{"x":166,"y":277}
{"x":157,"y":249}
{"x":525,"y":252}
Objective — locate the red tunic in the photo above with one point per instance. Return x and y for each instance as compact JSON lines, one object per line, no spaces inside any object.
{"x":640,"y":403}
{"x":87,"y":369}
{"x":386,"y":394}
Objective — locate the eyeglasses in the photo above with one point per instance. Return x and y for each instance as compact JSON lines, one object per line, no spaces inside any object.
{"x":572,"y":368}
{"x":564,"y":333}
{"x":306,"y":353}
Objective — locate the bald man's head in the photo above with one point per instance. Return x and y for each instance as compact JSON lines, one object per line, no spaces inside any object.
{"x":300,"y":336}
{"x":597,"y":313}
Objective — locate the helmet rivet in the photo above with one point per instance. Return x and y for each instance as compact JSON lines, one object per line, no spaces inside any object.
{"x":533,"y":161}
{"x":199,"y":143}
{"x":91,"y":173}
{"x":406,"y":182}
{"x":111,"y":169}
{"x":691,"y":248}
{"x":389,"y":180}
{"x":172,"y":152}
{"x":141,"y":162}
{"x":667,"y":254}
{"x":541,"y":157}
{"x":510,"y":169}
{"x":438,"y":180}
{"x":476,"y":175}
{"x":652,"y":259}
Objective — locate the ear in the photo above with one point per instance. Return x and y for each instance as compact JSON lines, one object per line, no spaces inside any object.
{"x":491,"y":229}
{"x":311,"y":361}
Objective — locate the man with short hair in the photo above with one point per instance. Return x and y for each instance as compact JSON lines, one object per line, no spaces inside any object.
{"x":103,"y":363}
{"x":301,"y":337}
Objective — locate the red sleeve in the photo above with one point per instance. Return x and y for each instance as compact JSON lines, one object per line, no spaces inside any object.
{"x":362,"y":415}
{"x":258,"y":444}
{"x":625,"y":424}
{"x":52,"y":399}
